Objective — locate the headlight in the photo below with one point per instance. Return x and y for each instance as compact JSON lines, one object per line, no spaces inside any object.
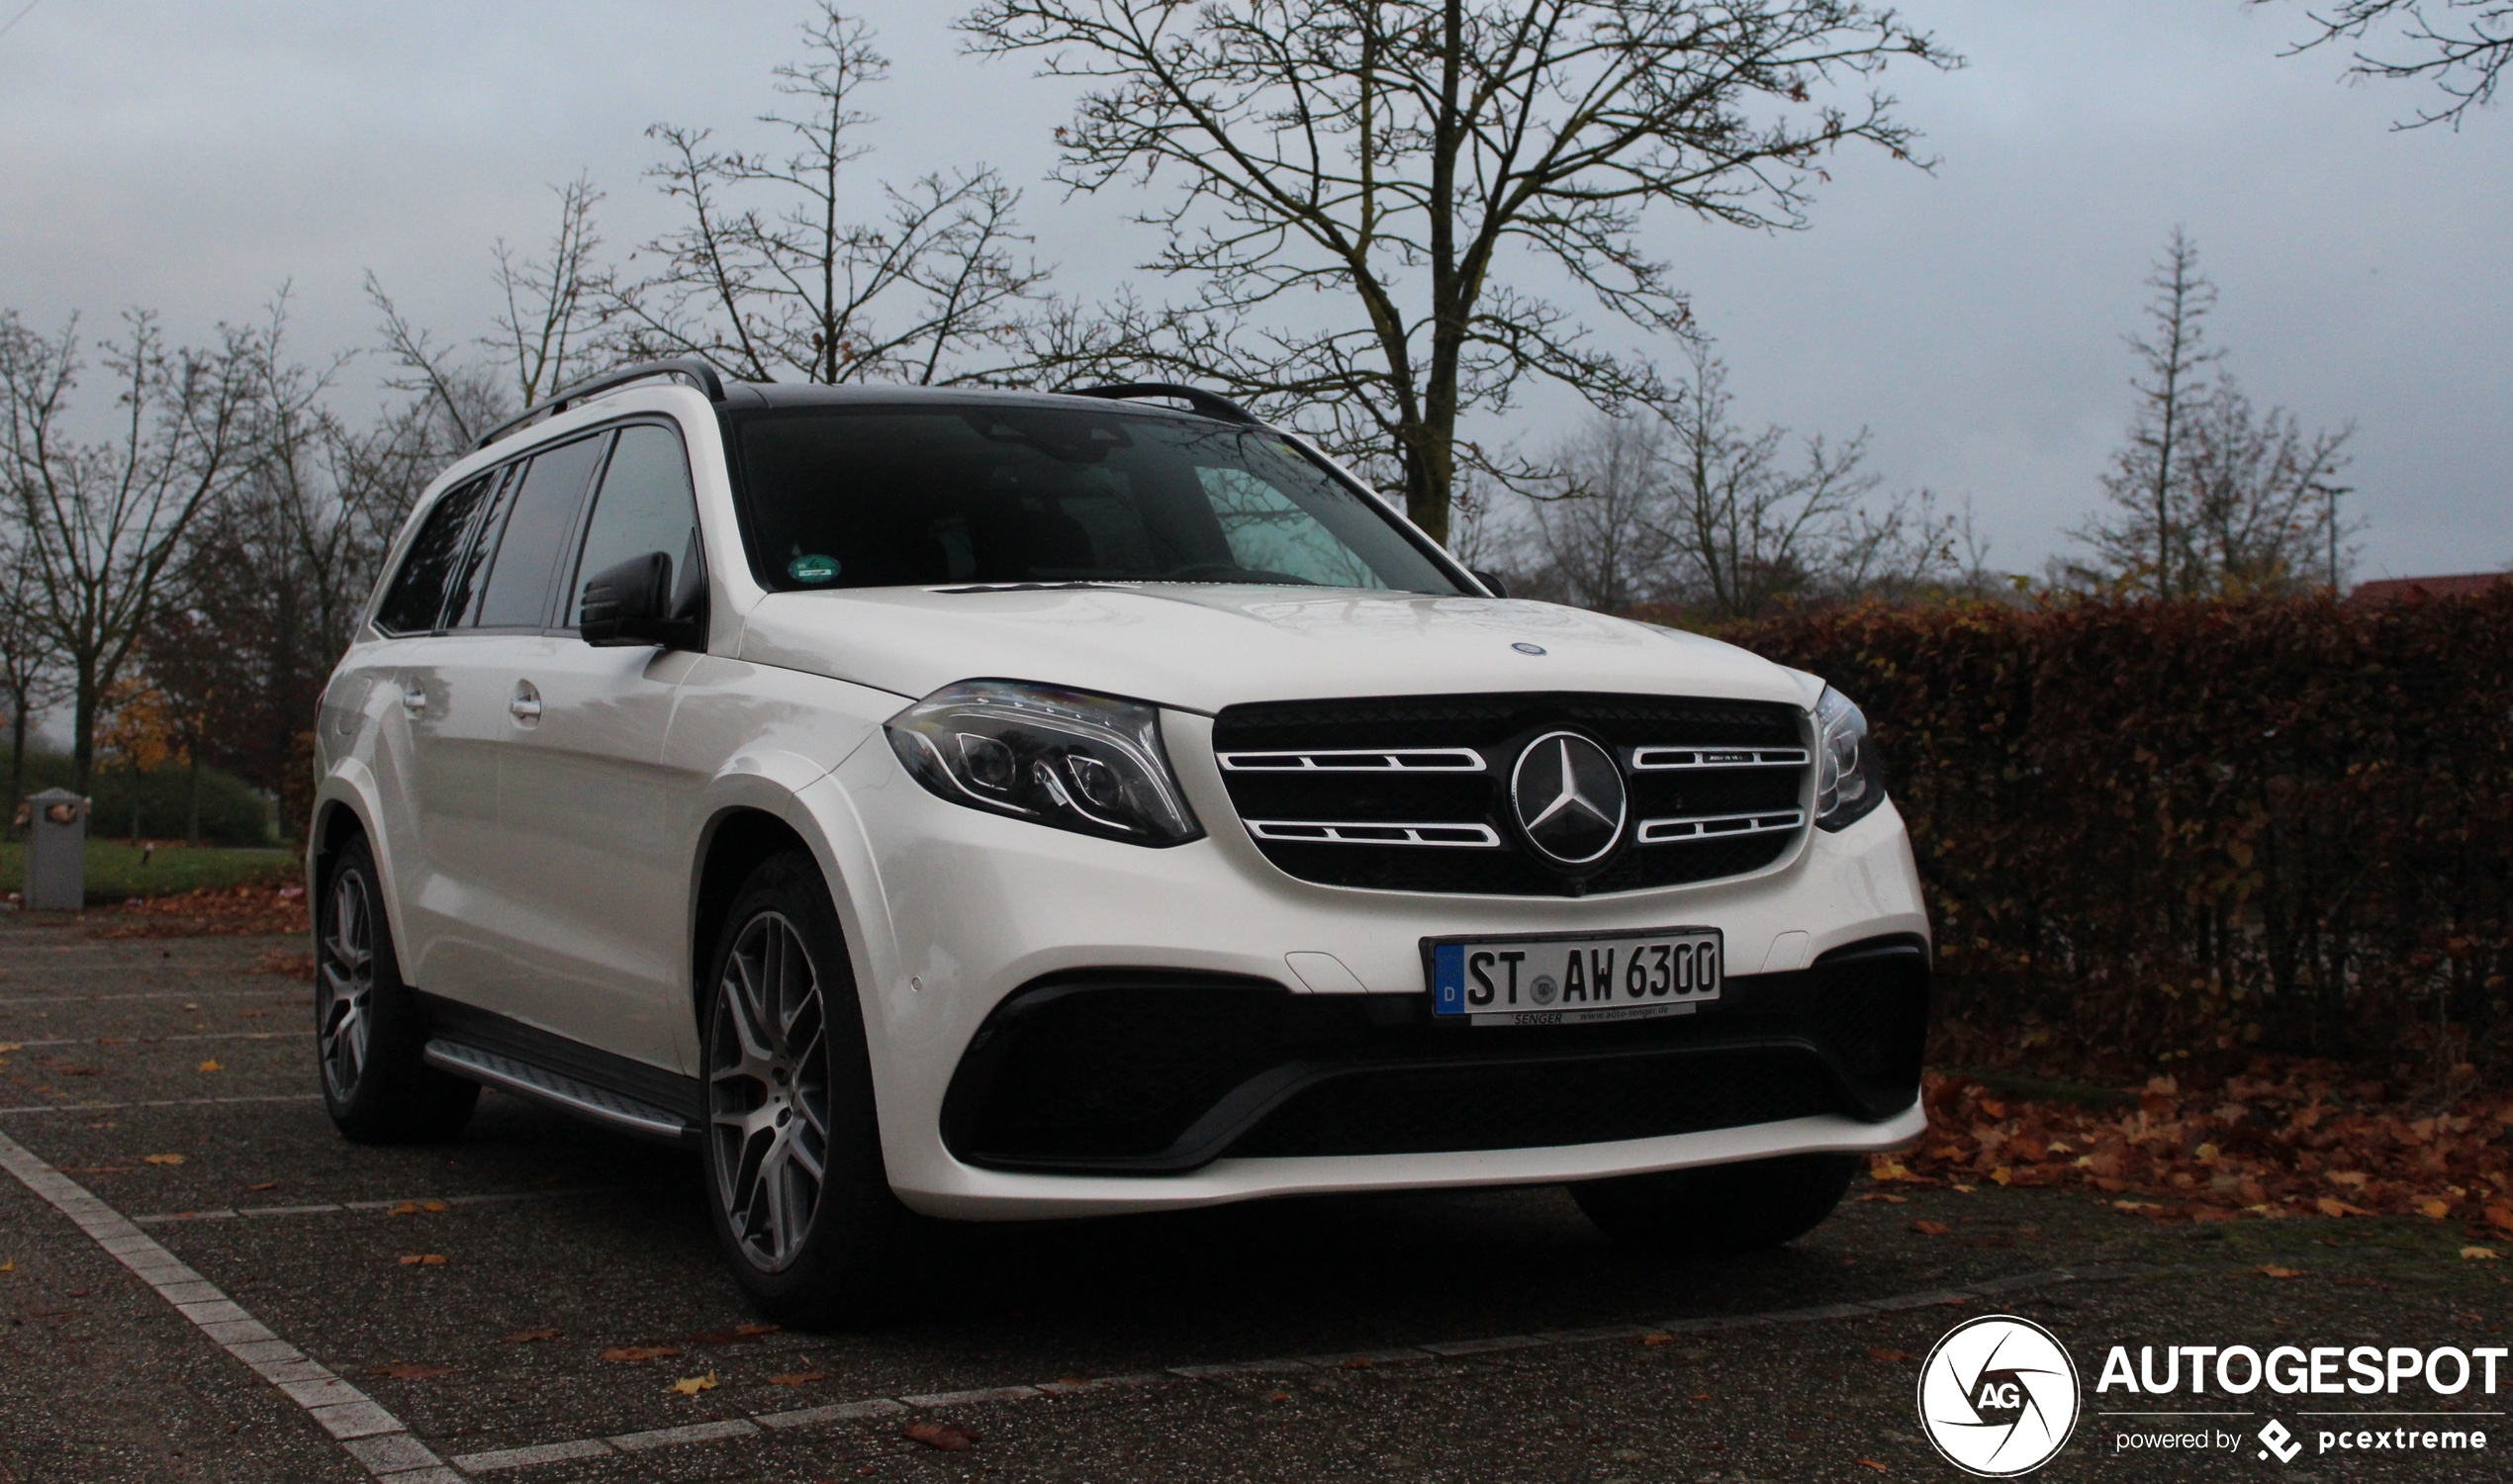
{"x":1062,"y":758}
{"x":1849,"y":780}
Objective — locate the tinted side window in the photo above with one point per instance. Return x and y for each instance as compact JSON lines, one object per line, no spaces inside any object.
{"x":538,"y":518}
{"x":417,"y":594}
{"x":645,"y":504}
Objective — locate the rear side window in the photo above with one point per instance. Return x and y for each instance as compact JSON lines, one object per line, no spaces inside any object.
{"x":417,"y":598}
{"x":537,"y":519}
{"x":645,"y":504}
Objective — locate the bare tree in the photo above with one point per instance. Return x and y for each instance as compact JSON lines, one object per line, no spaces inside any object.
{"x":30,"y":663}
{"x":549,"y":331}
{"x":798,"y":285}
{"x":2207,"y":496}
{"x":1369,"y":193}
{"x":1598,"y":531}
{"x":458,"y":402}
{"x":1750,"y":524}
{"x":103,"y":521}
{"x":2147,"y":471}
{"x":2458,"y":45}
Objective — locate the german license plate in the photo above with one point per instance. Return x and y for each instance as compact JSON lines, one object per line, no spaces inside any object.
{"x":1575,"y":979}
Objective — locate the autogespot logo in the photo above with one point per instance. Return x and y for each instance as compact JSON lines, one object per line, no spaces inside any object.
{"x":1998,"y":1396}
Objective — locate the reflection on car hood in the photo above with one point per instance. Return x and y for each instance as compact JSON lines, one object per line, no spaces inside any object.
{"x":1204,"y":647}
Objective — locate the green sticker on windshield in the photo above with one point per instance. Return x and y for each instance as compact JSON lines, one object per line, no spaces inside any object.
{"x":812,"y":569}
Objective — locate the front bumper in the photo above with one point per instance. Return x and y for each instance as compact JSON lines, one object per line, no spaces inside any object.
{"x":959,"y":917}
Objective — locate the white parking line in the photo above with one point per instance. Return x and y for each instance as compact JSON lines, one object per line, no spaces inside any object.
{"x":375,"y":1438}
{"x":766,"y":1424}
{"x":166,"y":1102}
{"x":493,"y":1198}
{"x":153,"y":1040}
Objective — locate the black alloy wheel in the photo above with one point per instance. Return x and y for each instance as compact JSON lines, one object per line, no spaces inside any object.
{"x":800,"y":1197}
{"x":368,"y":1032}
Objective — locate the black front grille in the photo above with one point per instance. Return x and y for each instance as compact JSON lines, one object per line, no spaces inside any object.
{"x":1497,"y":727}
{"x":1146,"y":1072}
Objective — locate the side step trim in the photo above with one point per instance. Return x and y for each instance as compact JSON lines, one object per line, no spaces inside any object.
{"x":583,"y":1098}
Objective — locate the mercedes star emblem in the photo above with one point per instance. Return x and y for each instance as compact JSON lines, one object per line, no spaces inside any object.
{"x":1570,"y":798}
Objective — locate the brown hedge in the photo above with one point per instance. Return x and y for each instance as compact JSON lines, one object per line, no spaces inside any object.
{"x":2171,"y":836}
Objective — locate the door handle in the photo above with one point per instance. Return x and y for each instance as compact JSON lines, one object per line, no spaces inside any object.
{"x":524,"y":708}
{"x":413,"y":699}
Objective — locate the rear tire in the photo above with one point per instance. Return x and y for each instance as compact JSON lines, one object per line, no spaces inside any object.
{"x":797,"y":1192}
{"x":1719,"y":1209}
{"x":368,"y":1031}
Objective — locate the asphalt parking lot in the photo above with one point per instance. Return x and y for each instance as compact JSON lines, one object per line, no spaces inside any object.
{"x":542,"y":1302}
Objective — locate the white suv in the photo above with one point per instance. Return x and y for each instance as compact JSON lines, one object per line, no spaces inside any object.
{"x":1008,"y":806}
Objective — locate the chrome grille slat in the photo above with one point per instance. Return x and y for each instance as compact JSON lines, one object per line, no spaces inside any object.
{"x":1358,"y":760}
{"x":1376,"y":832}
{"x":1682,"y":828}
{"x":1671,"y":759}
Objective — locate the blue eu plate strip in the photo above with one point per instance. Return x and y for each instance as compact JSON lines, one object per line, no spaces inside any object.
{"x":1449,"y":979}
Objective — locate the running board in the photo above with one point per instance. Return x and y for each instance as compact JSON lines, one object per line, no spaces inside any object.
{"x":558,"y":1090}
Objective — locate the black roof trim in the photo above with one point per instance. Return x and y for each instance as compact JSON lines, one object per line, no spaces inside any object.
{"x":695,"y":372}
{"x":1211,"y":404}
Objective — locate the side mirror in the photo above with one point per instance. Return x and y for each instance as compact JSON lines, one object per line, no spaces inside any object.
{"x":1491,"y":580}
{"x":637,"y":603}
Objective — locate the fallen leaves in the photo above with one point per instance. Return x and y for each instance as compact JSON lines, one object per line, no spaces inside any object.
{"x":692,"y":1385}
{"x":1931,"y":1227}
{"x":950,"y":1438}
{"x":413,"y":1208}
{"x":212,"y":911}
{"x":212,"y":1065}
{"x":286,"y":962}
{"x":1870,"y":1463}
{"x":2273,"y":1271}
{"x":798,"y":1378}
{"x":1888,"y":1356}
{"x":532,"y":1337}
{"x":163,"y":1158}
{"x":636,"y":1353}
{"x":264,"y":1185}
{"x":423,"y":1260}
{"x":9,"y":1266}
{"x":2478,"y":1253}
{"x":1657,"y":1338}
{"x":2288,"y":1138}
{"x":404,"y":1370}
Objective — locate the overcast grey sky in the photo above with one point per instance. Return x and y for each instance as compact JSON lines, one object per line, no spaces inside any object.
{"x":191,"y":158}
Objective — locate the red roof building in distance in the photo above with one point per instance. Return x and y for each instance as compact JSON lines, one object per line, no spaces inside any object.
{"x":2401,"y":588}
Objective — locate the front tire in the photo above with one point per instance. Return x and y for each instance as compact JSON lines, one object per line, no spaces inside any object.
{"x":1720,"y":1210}
{"x":368,"y":1031}
{"x":799,"y":1198}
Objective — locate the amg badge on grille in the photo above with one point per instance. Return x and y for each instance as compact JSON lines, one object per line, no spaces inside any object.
{"x":1570,"y":798}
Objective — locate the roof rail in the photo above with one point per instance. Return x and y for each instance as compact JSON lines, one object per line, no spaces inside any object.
{"x":1220,"y":409}
{"x":695,"y":372}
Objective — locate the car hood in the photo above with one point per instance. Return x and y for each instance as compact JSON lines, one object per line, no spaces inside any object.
{"x":1201,"y":648}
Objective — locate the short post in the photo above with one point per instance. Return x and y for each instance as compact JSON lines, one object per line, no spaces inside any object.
{"x":56,"y":852}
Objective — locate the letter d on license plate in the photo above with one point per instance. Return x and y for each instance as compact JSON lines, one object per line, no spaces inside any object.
{"x":1574,"y":979}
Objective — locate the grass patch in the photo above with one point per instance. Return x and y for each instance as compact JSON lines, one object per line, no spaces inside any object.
{"x":116,"y":871}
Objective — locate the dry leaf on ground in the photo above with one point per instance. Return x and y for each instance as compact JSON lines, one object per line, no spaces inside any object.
{"x":423,"y":1260}
{"x":164,"y":1159}
{"x":1887,"y":1356}
{"x":264,"y":1185}
{"x":212,"y":911}
{"x":642,"y":1352}
{"x":10,"y":1267}
{"x":2482,"y":1254}
{"x":529,"y":1336}
{"x":692,"y":1385}
{"x":1931,"y":1227}
{"x":1869,"y":1463}
{"x":2273,"y":1271}
{"x":405,"y":1371}
{"x":212,"y":1065}
{"x":406,"y":1208}
{"x":1656,"y":1339}
{"x":951,"y":1437}
{"x":798,"y":1378}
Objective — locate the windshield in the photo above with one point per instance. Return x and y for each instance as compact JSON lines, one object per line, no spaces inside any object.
{"x":891,"y":497}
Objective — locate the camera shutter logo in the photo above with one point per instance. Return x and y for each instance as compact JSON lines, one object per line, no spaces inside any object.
{"x":1998,"y":1396}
